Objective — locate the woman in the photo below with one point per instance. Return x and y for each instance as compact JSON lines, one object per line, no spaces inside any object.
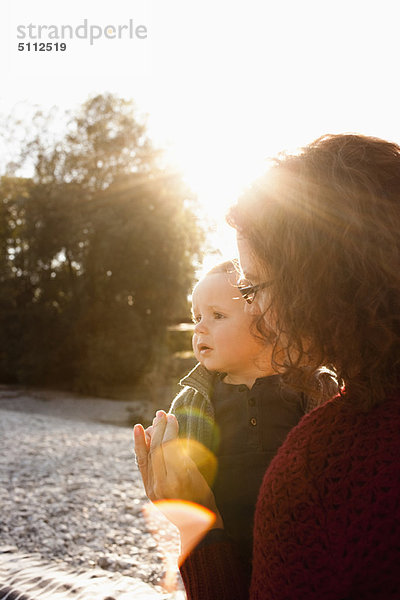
{"x":319,"y":239}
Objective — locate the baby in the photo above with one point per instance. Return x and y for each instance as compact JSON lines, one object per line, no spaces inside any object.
{"x":233,"y":402}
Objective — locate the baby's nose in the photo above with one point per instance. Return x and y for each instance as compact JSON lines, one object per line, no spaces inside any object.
{"x":200,"y":326}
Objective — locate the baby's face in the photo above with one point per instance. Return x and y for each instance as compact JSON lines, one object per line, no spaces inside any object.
{"x":222,"y":339}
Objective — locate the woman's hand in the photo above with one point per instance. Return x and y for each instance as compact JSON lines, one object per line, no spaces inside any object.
{"x":168,"y":473}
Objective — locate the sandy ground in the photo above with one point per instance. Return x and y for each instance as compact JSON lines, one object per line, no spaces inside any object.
{"x":68,"y":405}
{"x":72,"y":521}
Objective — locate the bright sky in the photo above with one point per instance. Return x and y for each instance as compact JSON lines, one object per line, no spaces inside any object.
{"x":225,"y":84}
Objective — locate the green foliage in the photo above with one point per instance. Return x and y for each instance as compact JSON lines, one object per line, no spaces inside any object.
{"x":97,"y":254}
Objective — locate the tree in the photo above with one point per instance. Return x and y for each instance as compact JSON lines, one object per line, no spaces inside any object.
{"x":98,"y":253}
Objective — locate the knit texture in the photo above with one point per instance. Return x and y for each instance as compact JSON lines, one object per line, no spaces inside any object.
{"x":327,"y":521}
{"x":194,"y":409}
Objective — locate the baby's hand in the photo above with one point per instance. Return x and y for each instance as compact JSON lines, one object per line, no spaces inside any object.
{"x":145,"y":442}
{"x":148,"y":432}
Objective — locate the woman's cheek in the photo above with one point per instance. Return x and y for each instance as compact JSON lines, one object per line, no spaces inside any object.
{"x":261,"y":308}
{"x":253,"y":309}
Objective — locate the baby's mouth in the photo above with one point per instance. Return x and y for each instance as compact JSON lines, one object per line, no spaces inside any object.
{"x":204,"y":348}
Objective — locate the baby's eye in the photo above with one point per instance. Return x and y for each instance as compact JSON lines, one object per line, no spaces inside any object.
{"x":218,"y":315}
{"x":196,"y":318}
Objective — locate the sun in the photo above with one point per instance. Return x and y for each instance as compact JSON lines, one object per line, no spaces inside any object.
{"x":217,"y":171}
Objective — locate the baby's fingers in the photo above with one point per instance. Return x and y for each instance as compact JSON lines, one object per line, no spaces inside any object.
{"x":172,"y":429}
{"x":156,"y":451}
{"x":158,"y":429}
{"x":148,"y":432}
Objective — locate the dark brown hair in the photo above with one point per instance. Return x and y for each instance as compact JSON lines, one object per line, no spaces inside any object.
{"x":324,"y":227}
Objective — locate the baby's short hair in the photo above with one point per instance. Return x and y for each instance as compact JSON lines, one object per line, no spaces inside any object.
{"x":227,"y":266}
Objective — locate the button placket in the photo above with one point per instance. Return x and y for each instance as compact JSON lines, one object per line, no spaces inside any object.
{"x":252,"y":414}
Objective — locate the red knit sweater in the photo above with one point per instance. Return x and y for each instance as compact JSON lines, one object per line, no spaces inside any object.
{"x":327,"y":523}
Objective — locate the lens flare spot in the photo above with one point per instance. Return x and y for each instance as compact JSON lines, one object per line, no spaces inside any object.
{"x":192,"y":520}
{"x":204,"y":459}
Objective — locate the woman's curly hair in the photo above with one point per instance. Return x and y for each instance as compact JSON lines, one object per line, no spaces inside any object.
{"x":324,"y":228}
